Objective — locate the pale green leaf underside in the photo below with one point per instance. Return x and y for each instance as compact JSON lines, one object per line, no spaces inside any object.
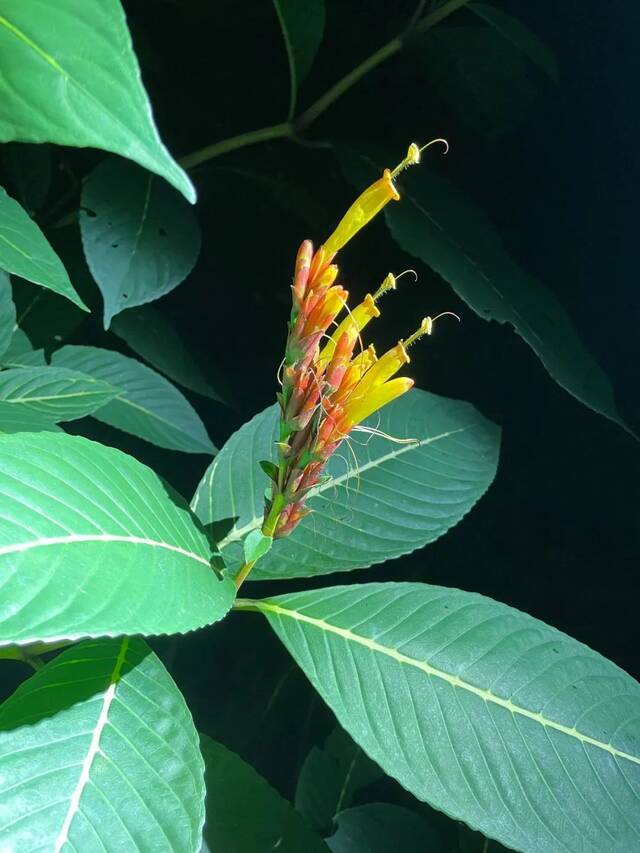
{"x":98,"y":752}
{"x":384,"y":499}
{"x":436,"y":223}
{"x":147,"y":404}
{"x":54,"y":392}
{"x":245,"y":814}
{"x":93,"y":543}
{"x":476,"y":708}
{"x":140,"y":237}
{"x":24,"y":250}
{"x":68,"y":75}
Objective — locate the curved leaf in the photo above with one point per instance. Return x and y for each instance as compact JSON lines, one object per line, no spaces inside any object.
{"x":437,"y":224}
{"x":245,"y":814}
{"x":25,"y":251}
{"x":330,"y":777}
{"x":381,"y":827}
{"x":98,"y":752}
{"x":302,"y":27}
{"x":18,"y":419}
{"x":50,"y":91}
{"x":484,"y":712}
{"x":93,"y":543}
{"x":384,"y":499}
{"x":140,"y":238}
{"x":7,"y":313}
{"x":54,"y":392}
{"x":147,"y":405}
{"x":151,"y":336}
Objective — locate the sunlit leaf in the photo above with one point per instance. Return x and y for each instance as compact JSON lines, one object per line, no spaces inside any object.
{"x":476,"y":708}
{"x":98,"y":751}
{"x":73,"y":79}
{"x":94,"y":543}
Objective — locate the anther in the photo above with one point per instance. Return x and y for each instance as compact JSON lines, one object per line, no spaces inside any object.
{"x":414,"y":154}
{"x":390,"y":283}
{"x":424,"y":329}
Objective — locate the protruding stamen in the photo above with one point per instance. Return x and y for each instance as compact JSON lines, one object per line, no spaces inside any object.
{"x":424,"y":329}
{"x":414,"y":154}
{"x":390,"y":283}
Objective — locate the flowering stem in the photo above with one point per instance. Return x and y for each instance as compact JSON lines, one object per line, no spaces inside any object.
{"x":290,"y":128}
{"x":268,"y":529}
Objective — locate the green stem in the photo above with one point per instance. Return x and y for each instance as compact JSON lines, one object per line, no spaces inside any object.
{"x":268,"y":529}
{"x":290,"y":128}
{"x":276,"y":131}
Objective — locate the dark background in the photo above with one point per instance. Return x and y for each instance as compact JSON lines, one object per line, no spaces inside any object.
{"x":557,"y":535}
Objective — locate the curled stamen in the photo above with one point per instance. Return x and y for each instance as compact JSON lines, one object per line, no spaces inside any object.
{"x":390,"y":283}
{"x":424,"y":329}
{"x":414,"y":154}
{"x":437,"y":317}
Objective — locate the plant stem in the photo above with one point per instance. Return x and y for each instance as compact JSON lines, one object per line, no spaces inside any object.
{"x":276,"y":131}
{"x":268,"y":529}
{"x":242,"y":574}
{"x":290,"y":128}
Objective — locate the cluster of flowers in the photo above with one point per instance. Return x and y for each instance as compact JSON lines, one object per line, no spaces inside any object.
{"x":330,"y":382}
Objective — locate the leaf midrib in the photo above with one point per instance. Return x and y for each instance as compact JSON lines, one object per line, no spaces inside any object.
{"x":430,"y":670}
{"x":239,"y":532}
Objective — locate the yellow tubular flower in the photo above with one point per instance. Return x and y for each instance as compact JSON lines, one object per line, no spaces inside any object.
{"x":354,"y":322}
{"x":358,"y":410}
{"x":380,"y":372}
{"x":364,"y":208}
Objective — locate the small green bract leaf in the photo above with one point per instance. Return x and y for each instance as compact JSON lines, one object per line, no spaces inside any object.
{"x":256,"y":545}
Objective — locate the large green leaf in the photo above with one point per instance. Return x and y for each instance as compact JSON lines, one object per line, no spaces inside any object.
{"x":436,"y":223}
{"x":482,"y":711}
{"x":302,"y":29}
{"x":20,"y":419}
{"x":24,"y":249}
{"x":94,"y":543}
{"x":155,"y":339}
{"x":54,"y":392}
{"x":7,"y":313}
{"x":330,"y":777}
{"x":245,"y":814}
{"x":21,"y":353}
{"x":384,"y":499}
{"x":147,"y":406}
{"x":140,"y":238}
{"x":98,"y":751}
{"x":53,"y":91}
{"x":382,"y":827}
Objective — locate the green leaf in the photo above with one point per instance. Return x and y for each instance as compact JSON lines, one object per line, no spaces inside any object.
{"x":436,"y":223}
{"x":140,"y":238}
{"x":24,"y":249}
{"x":302,"y":29}
{"x":482,"y":78}
{"x":330,"y":777}
{"x":245,"y":814}
{"x":98,"y":751}
{"x":94,"y":543}
{"x":149,"y":334}
{"x":28,"y":170}
{"x":383,"y":498}
{"x":7,"y":314}
{"x":54,"y":392}
{"x":519,"y":35}
{"x":147,"y":406}
{"x":50,"y":91}
{"x":476,"y":708}
{"x":19,"y":419}
{"x":381,"y":827}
